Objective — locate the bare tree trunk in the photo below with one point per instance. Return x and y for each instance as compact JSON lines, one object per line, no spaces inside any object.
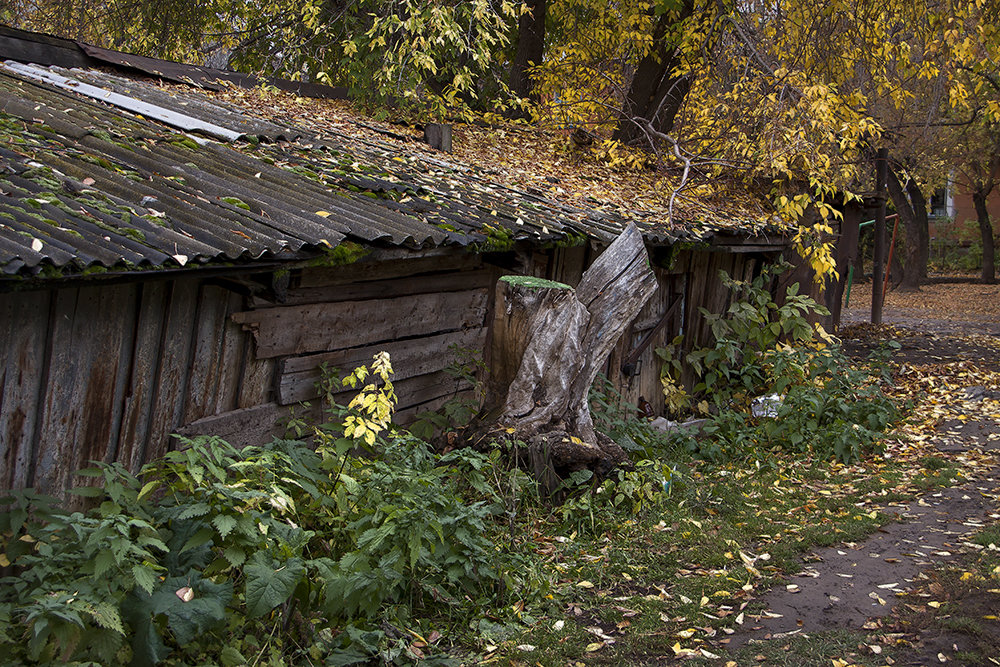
{"x":911,"y":205}
{"x":986,"y":233}
{"x":909,"y":271}
{"x":549,"y":343}
{"x":656,"y":94}
{"x":921,"y":227}
{"x":530,"y":49}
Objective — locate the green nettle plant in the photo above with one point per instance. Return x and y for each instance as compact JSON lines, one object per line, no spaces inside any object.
{"x":814,"y":399}
{"x":227,"y":556}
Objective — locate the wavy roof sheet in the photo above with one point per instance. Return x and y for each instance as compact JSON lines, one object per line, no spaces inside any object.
{"x":99,"y":170}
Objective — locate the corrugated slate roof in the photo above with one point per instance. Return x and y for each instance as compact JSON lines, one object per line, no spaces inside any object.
{"x":97,"y":170}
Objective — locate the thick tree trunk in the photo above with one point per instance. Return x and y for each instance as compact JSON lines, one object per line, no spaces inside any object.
{"x":530,"y":48}
{"x":549,"y":343}
{"x":986,"y":233}
{"x":921,"y":226}
{"x":908,"y":271}
{"x":655,"y":94}
{"x":896,"y":264}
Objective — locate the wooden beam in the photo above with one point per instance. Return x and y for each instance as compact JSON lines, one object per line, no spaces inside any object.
{"x":362,"y":270}
{"x":242,"y":427}
{"x":298,"y":375}
{"x":322,"y":327}
{"x":384,"y":289}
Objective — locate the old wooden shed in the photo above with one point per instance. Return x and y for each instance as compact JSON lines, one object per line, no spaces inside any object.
{"x":172,"y":264}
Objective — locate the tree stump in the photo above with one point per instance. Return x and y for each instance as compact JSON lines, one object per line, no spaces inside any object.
{"x":549,"y":343}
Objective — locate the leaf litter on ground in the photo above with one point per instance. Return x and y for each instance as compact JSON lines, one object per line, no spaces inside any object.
{"x":694,"y":579}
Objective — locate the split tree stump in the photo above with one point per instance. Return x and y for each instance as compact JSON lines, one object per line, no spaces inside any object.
{"x":549,"y":343}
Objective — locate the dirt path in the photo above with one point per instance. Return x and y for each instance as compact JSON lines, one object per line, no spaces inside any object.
{"x":849,"y":585}
{"x":857,"y":586}
{"x":946,"y":305}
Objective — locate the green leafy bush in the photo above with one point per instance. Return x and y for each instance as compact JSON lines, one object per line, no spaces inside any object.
{"x":813,"y":399}
{"x":213,"y":547}
{"x":835,"y":409}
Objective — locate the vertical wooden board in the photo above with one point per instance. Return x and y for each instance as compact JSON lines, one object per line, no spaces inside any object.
{"x":12,"y":414}
{"x":646,"y":384}
{"x":636,"y":388}
{"x":23,"y":339}
{"x":149,"y":322}
{"x":568,"y":264}
{"x":80,"y":414}
{"x":491,"y":301}
{"x":204,"y":370}
{"x":539,"y":264}
{"x":232,"y":358}
{"x":103,"y":385}
{"x":59,"y":407}
{"x":177,"y":336}
{"x":698,"y":283}
{"x":671,"y":288}
{"x":257,"y":383}
{"x":720,"y":298}
{"x":119,"y":305}
{"x":79,"y":410}
{"x":701,"y":278}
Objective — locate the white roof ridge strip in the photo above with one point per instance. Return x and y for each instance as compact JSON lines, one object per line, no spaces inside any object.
{"x":145,"y":109}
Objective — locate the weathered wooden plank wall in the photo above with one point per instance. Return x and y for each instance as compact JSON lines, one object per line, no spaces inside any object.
{"x":416,"y":309}
{"x":693,"y":278}
{"x":642,"y":380}
{"x":108,"y":372}
{"x":23,"y":366}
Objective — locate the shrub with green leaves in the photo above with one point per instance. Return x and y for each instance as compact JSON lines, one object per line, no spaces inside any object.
{"x":818,"y":401}
{"x":210,"y":550}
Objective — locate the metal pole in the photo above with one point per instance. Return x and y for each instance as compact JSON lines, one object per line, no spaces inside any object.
{"x":881,"y":179}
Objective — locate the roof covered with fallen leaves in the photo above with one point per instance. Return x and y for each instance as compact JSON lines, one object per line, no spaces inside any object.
{"x":100,"y":170}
